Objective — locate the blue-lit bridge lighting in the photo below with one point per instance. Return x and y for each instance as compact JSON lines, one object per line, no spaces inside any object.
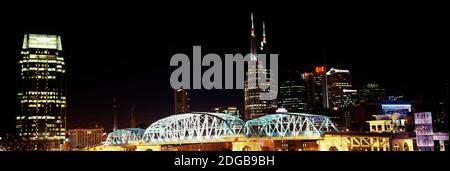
{"x":203,"y":127}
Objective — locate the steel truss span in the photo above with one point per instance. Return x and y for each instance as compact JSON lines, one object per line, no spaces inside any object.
{"x":289,"y":124}
{"x":193,"y":127}
{"x":204,"y":127}
{"x":124,"y":136}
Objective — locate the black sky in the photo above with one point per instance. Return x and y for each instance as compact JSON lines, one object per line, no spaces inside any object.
{"x":123,"y":50}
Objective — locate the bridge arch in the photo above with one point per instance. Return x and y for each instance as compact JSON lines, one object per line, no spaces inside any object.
{"x":193,"y":127}
{"x":289,"y":124}
{"x":124,"y":136}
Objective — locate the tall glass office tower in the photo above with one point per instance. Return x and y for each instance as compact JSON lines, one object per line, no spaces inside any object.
{"x":254,"y":105}
{"x":41,"y":118}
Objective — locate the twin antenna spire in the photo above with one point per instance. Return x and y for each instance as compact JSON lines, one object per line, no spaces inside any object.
{"x":253,"y":26}
{"x":263,"y":41}
{"x":132,"y":119}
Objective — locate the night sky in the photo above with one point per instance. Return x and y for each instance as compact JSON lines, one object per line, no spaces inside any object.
{"x":123,"y":50}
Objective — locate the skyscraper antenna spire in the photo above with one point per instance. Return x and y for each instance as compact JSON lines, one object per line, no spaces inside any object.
{"x":263,"y":41}
{"x":115,"y":113}
{"x":264,"y":29}
{"x":253,"y":26}
{"x":264,"y":32}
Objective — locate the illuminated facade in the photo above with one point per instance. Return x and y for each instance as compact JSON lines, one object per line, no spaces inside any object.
{"x":424,"y":131}
{"x":203,"y":131}
{"x":396,"y":108}
{"x":372,"y":92}
{"x":82,"y":138}
{"x":182,"y":101}
{"x":391,"y":123}
{"x":342,"y":95}
{"x":204,"y":127}
{"x":340,"y":88}
{"x":293,"y":95}
{"x":41,"y":119}
{"x":381,"y":125}
{"x":317,"y":85}
{"x":254,"y":106}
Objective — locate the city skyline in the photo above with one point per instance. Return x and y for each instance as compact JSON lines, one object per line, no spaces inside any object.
{"x":125,"y":73}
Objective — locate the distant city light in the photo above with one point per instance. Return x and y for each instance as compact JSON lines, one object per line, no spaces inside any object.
{"x":281,"y":110}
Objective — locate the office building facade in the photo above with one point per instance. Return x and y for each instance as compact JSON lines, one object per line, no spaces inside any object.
{"x":341,"y":93}
{"x":254,"y":105}
{"x":182,"y":101}
{"x":317,"y":87}
{"x":293,"y":95}
{"x":41,"y":118}
{"x":82,"y":138}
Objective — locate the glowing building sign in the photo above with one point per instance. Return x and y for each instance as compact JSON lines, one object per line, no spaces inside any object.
{"x":396,"y":108}
{"x":320,"y":69}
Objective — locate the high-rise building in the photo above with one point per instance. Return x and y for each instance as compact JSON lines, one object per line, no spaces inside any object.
{"x":254,"y":105}
{"x":440,"y":117}
{"x":41,"y":119}
{"x":82,"y":138}
{"x":341,"y":93}
{"x":182,"y":101}
{"x":317,"y":85}
{"x":445,"y":113}
{"x":293,"y":95}
{"x":372,"y":92}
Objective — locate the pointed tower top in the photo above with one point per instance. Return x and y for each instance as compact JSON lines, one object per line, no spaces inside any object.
{"x":264,"y":29}
{"x":115,"y":114}
{"x":263,"y":42}
{"x":251,"y":17}
{"x":253,"y":26}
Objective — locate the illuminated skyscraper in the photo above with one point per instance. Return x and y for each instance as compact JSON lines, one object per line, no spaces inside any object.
{"x":341,"y":93}
{"x":317,"y":89}
{"x":254,"y":106}
{"x":292,"y":94}
{"x":182,"y":101}
{"x":41,"y":119}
